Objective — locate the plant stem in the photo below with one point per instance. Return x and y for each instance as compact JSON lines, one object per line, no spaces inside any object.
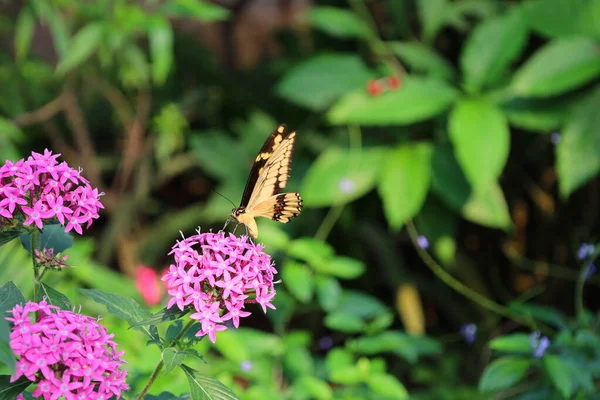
{"x":377,"y":45}
{"x":328,"y":222}
{"x":36,"y":270}
{"x":579,"y":309}
{"x":467,"y":291}
{"x":161,"y":364}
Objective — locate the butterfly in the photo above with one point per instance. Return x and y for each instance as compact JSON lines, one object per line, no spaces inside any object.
{"x":268,"y":176}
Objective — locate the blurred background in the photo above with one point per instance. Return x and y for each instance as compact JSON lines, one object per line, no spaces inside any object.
{"x":438,"y":142}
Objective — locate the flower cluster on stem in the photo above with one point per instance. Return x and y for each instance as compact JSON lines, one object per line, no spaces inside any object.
{"x":39,"y":190}
{"x":218,"y":274}
{"x":65,"y":354}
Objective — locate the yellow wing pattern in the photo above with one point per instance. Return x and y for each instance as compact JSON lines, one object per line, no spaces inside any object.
{"x":268,"y":176}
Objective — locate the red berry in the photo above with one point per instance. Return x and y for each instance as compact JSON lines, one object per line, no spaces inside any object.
{"x":394,"y":82}
{"x":374,"y":87}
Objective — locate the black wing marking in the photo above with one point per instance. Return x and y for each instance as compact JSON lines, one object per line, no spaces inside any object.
{"x":272,"y":142}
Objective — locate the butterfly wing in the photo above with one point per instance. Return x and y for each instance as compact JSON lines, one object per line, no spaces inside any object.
{"x":281,"y":207}
{"x":268,"y":176}
{"x":269,"y":148}
{"x":274,"y":174}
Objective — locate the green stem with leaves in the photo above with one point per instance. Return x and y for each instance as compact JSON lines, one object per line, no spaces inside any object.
{"x":161,"y":363}
{"x":467,"y":291}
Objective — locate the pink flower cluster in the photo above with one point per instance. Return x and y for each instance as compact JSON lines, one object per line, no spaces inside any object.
{"x":65,"y":353}
{"x":217,"y":274}
{"x":39,"y":190}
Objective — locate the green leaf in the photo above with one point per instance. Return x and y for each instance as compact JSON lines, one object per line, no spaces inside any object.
{"x":206,"y":388}
{"x":164,"y":315}
{"x":8,"y":236}
{"x":503,"y":373}
{"x":121,"y":307}
{"x":340,"y":176}
{"x":81,"y":47}
{"x":337,"y":22}
{"x":24,"y":33}
{"x":404,"y":182}
{"x":315,"y":252}
{"x":328,"y":292}
{"x":560,"y":18}
{"x":433,"y":14}
{"x":491,"y":48}
{"x":578,"y":153}
{"x":438,"y":224}
{"x":201,"y":10}
{"x":319,"y":81}
{"x":344,"y":322}
{"x":210,"y":147}
{"x":165,"y":396}
{"x":539,"y":115}
{"x":10,"y":296}
{"x":481,"y":138}
{"x":59,"y":30}
{"x":420,"y":58}
{"x":173,"y":358}
{"x":559,"y":375}
{"x":486,"y":208}
{"x":342,"y":267}
{"x":7,"y":357}
{"x":53,"y":297}
{"x":548,"y":315}
{"x":10,"y":391}
{"x":160,"y":36}
{"x":311,"y":387}
{"x":53,"y":237}
{"x":361,"y":304}
{"x":406,"y":346}
{"x":559,"y":66}
{"x":515,"y":343}
{"x":387,"y":385}
{"x":10,"y":130}
{"x":299,"y":280}
{"x":417,"y":100}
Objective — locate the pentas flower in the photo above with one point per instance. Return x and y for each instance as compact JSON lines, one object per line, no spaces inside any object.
{"x":39,"y":190}
{"x":217,"y":274}
{"x":68,"y":355}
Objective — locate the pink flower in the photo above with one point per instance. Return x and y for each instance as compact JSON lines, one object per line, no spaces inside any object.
{"x":217,"y":274}
{"x":68,"y":355}
{"x":148,"y":284}
{"x":39,"y":191}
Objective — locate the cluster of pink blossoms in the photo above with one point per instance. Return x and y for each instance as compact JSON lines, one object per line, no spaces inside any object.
{"x":217,"y":273}
{"x":65,"y":353}
{"x":39,"y":190}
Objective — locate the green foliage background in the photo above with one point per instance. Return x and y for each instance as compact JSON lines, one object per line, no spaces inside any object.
{"x":490,"y":148}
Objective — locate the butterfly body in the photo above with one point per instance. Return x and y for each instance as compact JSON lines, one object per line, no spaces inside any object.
{"x":268,"y":176}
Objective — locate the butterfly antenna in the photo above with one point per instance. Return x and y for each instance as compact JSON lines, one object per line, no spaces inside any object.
{"x":226,"y":198}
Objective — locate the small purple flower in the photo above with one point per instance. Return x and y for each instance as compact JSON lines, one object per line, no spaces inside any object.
{"x":590,"y":271}
{"x":555,"y":138}
{"x":422,"y":242}
{"x":246,"y":365}
{"x":585,"y":250}
{"x":538,"y":344}
{"x":469,"y":332}
{"x":65,"y":353}
{"x":216,"y":274}
{"x":346,"y":186}
{"x":325,"y":343}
